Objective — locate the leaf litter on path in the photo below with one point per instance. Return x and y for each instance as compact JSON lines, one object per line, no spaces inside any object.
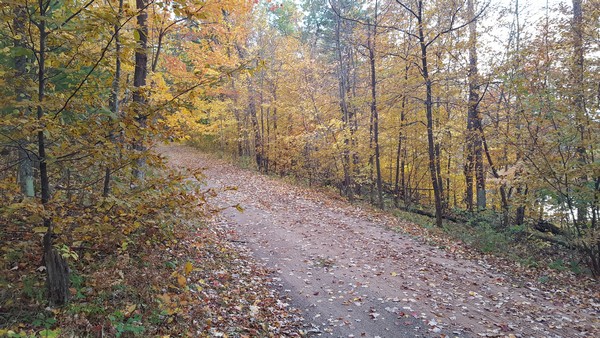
{"x":351,"y":276}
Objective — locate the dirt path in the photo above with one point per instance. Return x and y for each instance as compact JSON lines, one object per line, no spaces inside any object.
{"x":352,"y":277}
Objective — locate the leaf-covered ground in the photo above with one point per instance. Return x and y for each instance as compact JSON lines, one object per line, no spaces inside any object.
{"x":352,"y":275}
{"x":187,"y":280}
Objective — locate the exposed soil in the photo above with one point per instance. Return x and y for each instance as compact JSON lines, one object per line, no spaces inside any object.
{"x":352,"y":276}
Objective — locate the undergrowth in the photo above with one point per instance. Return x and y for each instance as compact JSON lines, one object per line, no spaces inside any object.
{"x":157,"y":272}
{"x":485,"y":235}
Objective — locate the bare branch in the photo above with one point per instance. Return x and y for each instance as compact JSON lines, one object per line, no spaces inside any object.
{"x":368,"y":24}
{"x":408,"y":9}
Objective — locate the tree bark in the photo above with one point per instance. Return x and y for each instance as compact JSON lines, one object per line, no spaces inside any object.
{"x":399,"y":187}
{"x":503,"y":195}
{"x":474,"y":143}
{"x":342,"y":86}
{"x":436,"y":181}
{"x":579,"y":98}
{"x":255,"y":127}
{"x":57,"y":271}
{"x":114,"y":93}
{"x":139,"y":82}
{"x":26,"y":180}
{"x":400,"y":184}
{"x":374,"y":113}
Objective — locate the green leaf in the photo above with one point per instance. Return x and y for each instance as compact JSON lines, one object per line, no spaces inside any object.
{"x":49,"y":333}
{"x":20,"y":51}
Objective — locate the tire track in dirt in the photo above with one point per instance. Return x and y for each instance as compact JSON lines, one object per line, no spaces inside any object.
{"x":353,"y":277}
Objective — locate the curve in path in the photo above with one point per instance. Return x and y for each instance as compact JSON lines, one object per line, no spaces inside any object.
{"x":353,"y":277}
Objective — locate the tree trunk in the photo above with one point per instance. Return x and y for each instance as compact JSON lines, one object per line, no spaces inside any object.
{"x":263,"y":163}
{"x":474,"y":144}
{"x":503,"y":195}
{"x":26,"y":180}
{"x":57,"y":272}
{"x":433,"y":160}
{"x":139,"y":82}
{"x":399,"y":190}
{"x":255,"y":126}
{"x":161,"y":35}
{"x":469,"y":165}
{"x":579,"y":99}
{"x":342,"y":86}
{"x":274,"y":118}
{"x":520,"y":212}
{"x":114,"y":93}
{"x":400,"y":156}
{"x":374,"y":113}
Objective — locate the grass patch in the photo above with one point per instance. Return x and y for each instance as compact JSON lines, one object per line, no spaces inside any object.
{"x":482,"y":237}
{"x":512,"y":247}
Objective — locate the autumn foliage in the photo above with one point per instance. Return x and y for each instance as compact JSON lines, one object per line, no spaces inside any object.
{"x":384,"y":101}
{"x":445,"y":109}
{"x":88,"y":89}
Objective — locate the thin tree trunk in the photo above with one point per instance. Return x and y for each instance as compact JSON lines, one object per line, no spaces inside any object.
{"x":238,"y":120}
{"x":503,"y":195}
{"x":161,"y":36}
{"x":275,"y":147}
{"x":255,"y":127}
{"x":579,"y":98}
{"x":397,"y":190}
{"x":114,"y":94}
{"x":139,"y":82}
{"x":469,"y":165}
{"x":400,"y":156}
{"x":374,"y":113}
{"x":26,"y":180}
{"x":521,"y":190}
{"x":433,"y":160}
{"x":342,"y":74}
{"x":474,"y":99}
{"x":474,"y":145}
{"x":57,"y":272}
{"x":520,"y":212}
{"x":262,"y":165}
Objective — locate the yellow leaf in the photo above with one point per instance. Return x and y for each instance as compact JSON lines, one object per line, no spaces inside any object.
{"x":129,"y":310}
{"x":188,"y":268}
{"x":39,"y":230}
{"x":165,"y":298}
{"x":181,"y":280}
{"x":394,"y":274}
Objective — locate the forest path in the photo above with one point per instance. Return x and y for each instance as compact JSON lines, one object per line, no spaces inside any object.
{"x":351,"y":276}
